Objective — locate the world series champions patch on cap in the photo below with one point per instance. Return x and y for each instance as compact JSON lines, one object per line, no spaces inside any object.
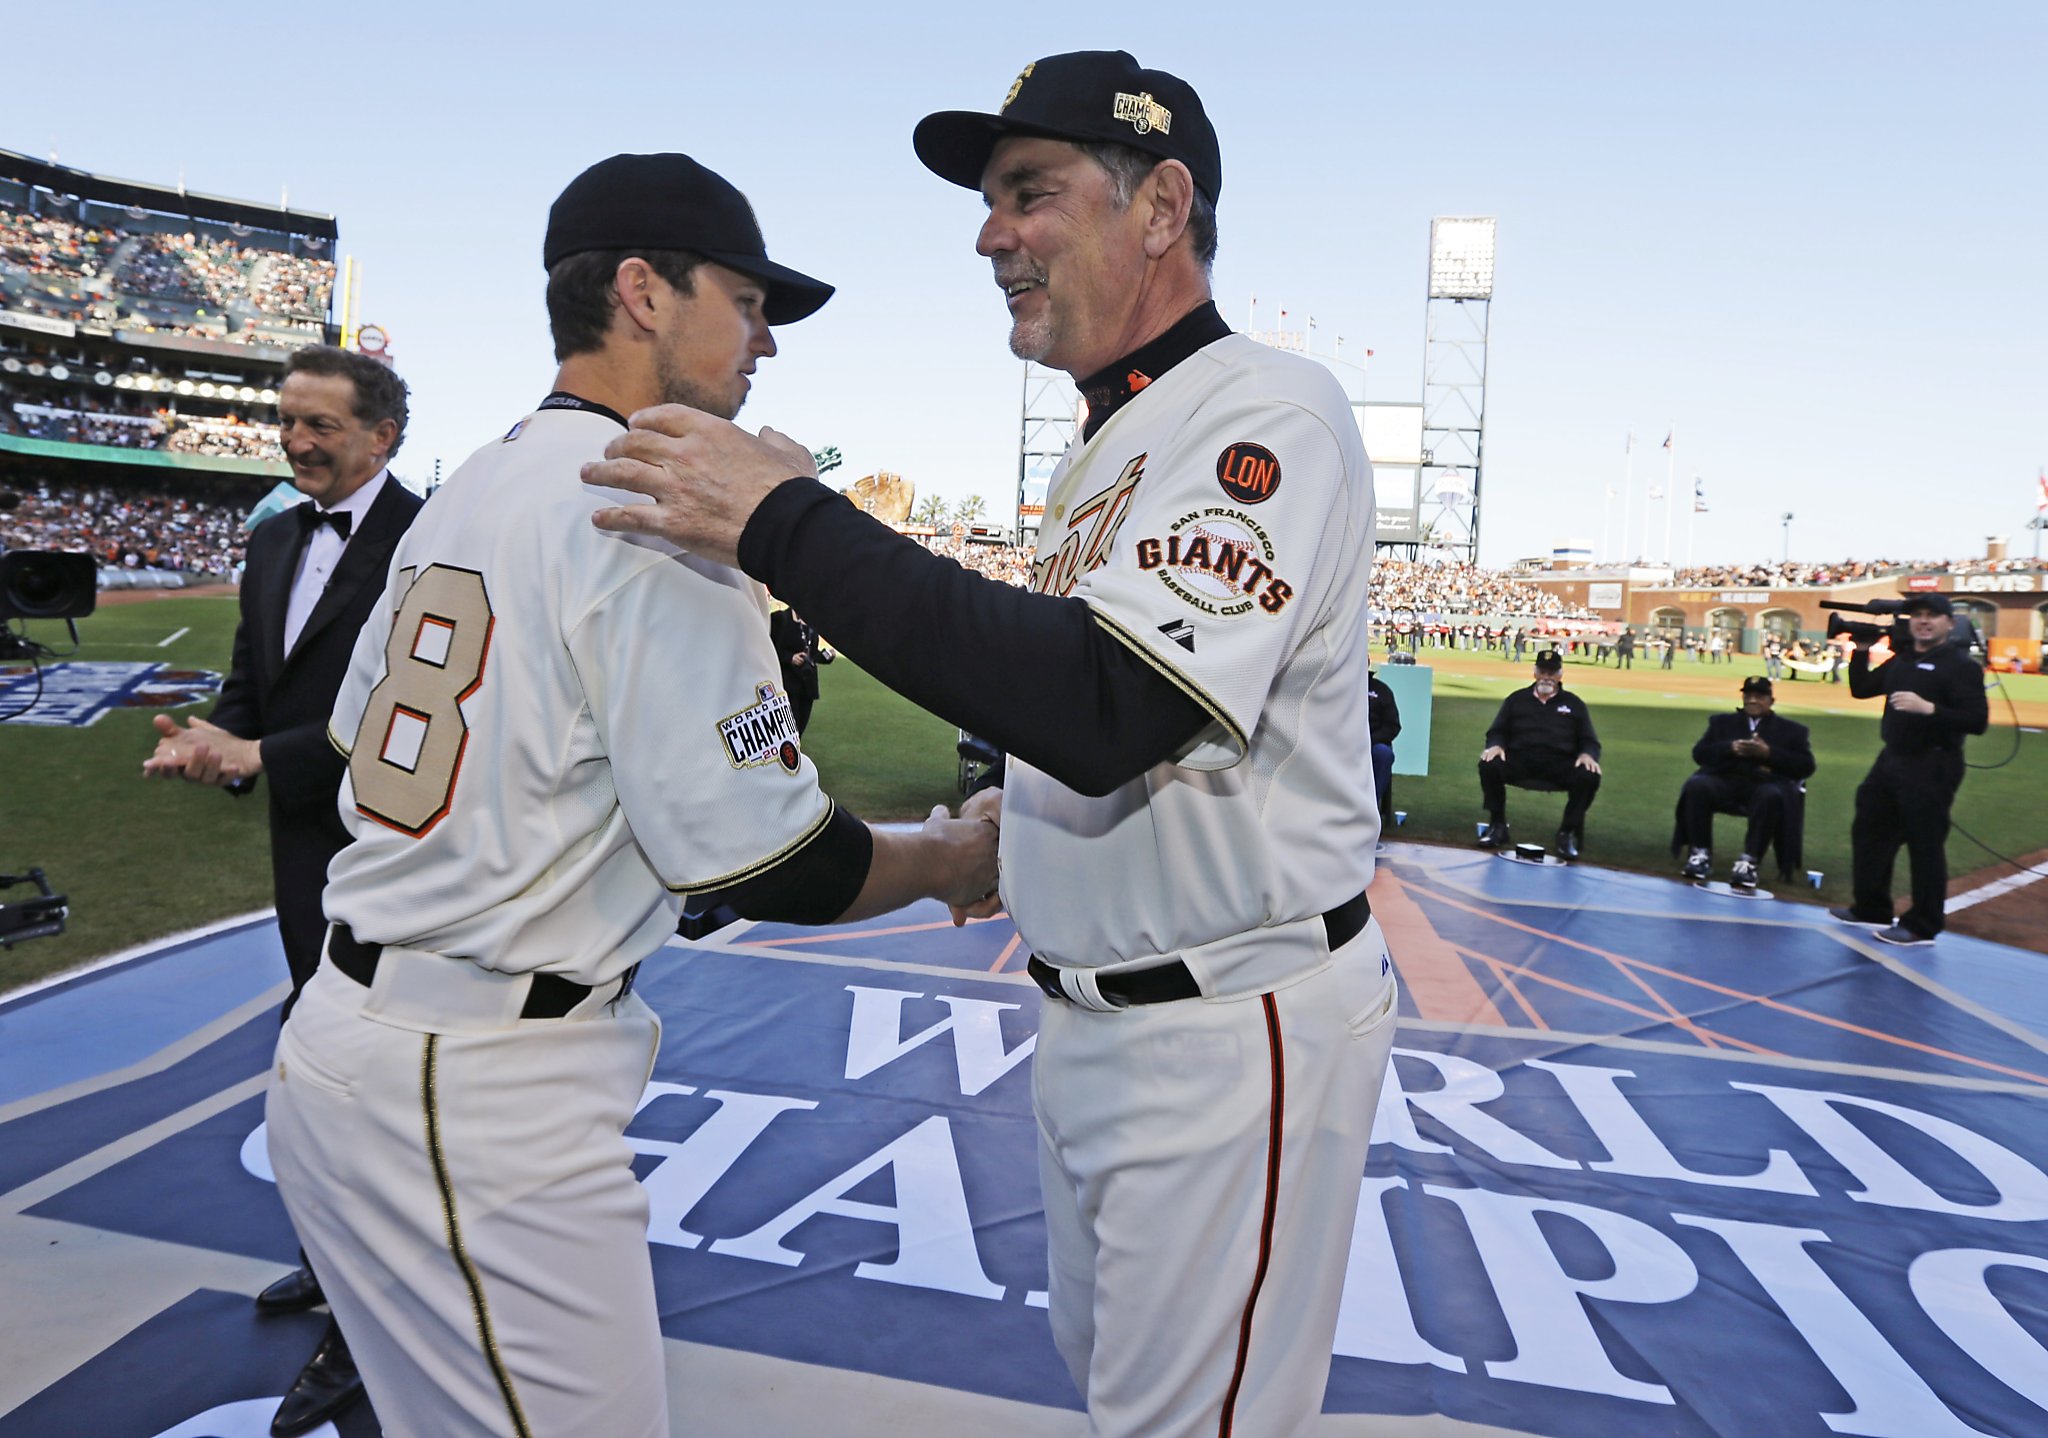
{"x":1083,"y":96}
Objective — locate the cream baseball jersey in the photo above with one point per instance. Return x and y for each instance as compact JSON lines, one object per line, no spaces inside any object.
{"x":1220,"y":524}
{"x":552,"y":732}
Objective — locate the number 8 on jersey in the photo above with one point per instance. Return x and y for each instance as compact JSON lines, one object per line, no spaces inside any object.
{"x":408,"y":748}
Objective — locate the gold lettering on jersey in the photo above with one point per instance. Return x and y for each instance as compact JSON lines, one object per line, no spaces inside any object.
{"x":1143,"y":113}
{"x":1090,"y":536}
{"x":1219,"y":561}
{"x":762,"y":733}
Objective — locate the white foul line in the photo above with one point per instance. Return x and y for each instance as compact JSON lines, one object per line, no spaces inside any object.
{"x":1995,"y":888}
{"x":175,"y":637}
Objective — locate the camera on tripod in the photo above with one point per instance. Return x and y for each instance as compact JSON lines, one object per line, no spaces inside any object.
{"x":43,"y":584}
{"x":39,"y":918}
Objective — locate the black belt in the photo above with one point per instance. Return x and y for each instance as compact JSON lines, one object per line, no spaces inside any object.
{"x":550,"y":997}
{"x":1174,"y":981}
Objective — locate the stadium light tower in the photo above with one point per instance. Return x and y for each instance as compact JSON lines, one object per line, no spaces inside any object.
{"x":1455,"y":327}
{"x":1050,"y":415}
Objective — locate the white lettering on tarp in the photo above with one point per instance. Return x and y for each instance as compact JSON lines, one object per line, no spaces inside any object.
{"x":1555,"y":1343}
{"x":1466,"y":1085}
{"x":2022,"y":1188}
{"x":935,"y":1236}
{"x":874,"y":1037}
{"x":1887,"y":1399}
{"x":1634,"y":1147}
{"x":688,"y":1170}
{"x":1950,"y":1286}
{"x":1374,"y":1317}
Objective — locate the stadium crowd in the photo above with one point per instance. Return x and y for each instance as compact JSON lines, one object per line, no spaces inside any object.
{"x":187,"y":270}
{"x":1799,"y":574}
{"x":136,"y":426}
{"x":139,"y":525}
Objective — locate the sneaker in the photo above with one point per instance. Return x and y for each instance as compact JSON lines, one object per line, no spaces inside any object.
{"x":1698,"y":864}
{"x":1744,"y":874}
{"x":1850,"y":916}
{"x":1904,"y":937}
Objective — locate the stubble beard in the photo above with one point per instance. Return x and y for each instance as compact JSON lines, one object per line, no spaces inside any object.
{"x":1032,"y":339}
{"x":676,"y":388}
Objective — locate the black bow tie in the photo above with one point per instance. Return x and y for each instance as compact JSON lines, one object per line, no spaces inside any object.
{"x":312,"y":516}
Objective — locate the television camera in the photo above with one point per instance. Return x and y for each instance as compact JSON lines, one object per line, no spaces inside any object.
{"x":42,"y":584}
{"x":1898,"y":631}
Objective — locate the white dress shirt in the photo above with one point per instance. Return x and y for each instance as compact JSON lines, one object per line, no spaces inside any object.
{"x":322,"y":552}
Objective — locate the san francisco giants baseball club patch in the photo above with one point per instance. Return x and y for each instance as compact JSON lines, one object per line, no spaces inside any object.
{"x":762,"y":733}
{"x":1218,"y":560}
{"x":1249,"y":473}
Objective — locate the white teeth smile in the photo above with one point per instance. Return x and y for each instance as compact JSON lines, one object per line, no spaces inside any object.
{"x":1018,"y":287}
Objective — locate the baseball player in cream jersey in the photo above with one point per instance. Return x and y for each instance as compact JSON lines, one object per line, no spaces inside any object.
{"x":552,"y":735}
{"x":1188,"y":822}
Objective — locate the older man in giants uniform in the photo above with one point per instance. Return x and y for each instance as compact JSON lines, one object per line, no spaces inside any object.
{"x":1188,"y":827}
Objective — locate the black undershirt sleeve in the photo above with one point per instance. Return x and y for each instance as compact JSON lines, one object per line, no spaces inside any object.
{"x":815,"y":885}
{"x":1035,"y":674}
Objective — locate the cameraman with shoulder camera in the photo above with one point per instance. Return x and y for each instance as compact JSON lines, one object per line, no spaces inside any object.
{"x":1934,"y":697}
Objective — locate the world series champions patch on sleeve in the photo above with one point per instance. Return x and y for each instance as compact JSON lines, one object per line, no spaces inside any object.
{"x":1218,"y":560}
{"x":762,"y":733}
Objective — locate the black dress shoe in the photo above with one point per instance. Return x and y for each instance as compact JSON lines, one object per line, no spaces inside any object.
{"x":1497,"y":836}
{"x":324,"y":1389}
{"x":296,"y":1290}
{"x":1567,"y":844}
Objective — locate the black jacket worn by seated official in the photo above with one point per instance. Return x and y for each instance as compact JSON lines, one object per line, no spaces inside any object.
{"x":1790,"y":765}
{"x":1561,"y":727}
{"x":1382,"y":714}
{"x":285,"y":700}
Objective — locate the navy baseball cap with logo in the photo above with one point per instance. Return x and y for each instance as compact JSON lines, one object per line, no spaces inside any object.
{"x":1083,"y":96}
{"x":670,"y":202}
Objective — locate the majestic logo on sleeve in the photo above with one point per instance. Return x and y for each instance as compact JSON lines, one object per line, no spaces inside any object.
{"x":763,"y":733}
{"x":1249,"y":473}
{"x":1218,"y":560}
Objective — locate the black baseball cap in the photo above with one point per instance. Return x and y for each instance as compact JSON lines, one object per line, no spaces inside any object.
{"x":1550,"y":662}
{"x":670,"y":202}
{"x":1756,"y":684}
{"x":1927,"y":604}
{"x":1083,"y":96}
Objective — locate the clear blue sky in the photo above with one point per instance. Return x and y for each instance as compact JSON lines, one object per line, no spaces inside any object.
{"x":1807,"y":236}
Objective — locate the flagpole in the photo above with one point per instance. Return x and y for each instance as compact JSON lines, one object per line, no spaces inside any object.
{"x":1670,"y":483}
{"x":1691,"y":518}
{"x":1628,"y":495}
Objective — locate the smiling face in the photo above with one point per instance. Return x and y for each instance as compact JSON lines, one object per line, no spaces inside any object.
{"x":1930,"y":629}
{"x":1548,"y":682}
{"x":1070,"y":262}
{"x":710,"y":340}
{"x":1757,"y":703}
{"x":332,"y":453}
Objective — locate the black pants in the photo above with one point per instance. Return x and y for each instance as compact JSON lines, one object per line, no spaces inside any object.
{"x":1905,"y":799}
{"x":1558,"y":771}
{"x":1706,"y":795}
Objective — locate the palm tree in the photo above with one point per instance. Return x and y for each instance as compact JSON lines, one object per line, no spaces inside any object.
{"x":971,"y":508}
{"x":930,"y":510}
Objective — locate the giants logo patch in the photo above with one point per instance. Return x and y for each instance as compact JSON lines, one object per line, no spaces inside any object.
{"x":1218,"y":560}
{"x":1249,"y":473}
{"x":763,"y":733}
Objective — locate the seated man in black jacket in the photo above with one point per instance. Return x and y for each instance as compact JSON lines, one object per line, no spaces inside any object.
{"x":1542,"y":739}
{"x":1751,"y":762}
{"x":1383,"y":722}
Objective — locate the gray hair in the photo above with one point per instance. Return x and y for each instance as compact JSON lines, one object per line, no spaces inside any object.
{"x":1127,"y":168}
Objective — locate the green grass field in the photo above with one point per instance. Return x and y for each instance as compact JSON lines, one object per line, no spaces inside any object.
{"x":141,"y":858}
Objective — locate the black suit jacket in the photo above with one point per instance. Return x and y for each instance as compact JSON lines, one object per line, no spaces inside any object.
{"x":1791,"y":763}
{"x":285,"y":700}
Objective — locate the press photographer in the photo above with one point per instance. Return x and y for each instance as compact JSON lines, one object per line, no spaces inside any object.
{"x":1933,"y":698}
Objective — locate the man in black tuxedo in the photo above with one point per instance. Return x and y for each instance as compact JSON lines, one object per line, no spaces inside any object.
{"x":1751,"y":762}
{"x":314,"y":574}
{"x":799,"y":651}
